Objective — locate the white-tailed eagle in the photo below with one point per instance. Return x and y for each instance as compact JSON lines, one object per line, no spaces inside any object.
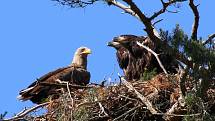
{"x":75,"y":73}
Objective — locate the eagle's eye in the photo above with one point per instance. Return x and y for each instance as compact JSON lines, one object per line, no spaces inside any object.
{"x":83,"y":49}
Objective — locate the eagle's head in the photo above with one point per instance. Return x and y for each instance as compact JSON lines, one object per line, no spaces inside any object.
{"x":116,"y":45}
{"x":82,"y":51}
{"x":80,"y":57}
{"x":124,"y":41}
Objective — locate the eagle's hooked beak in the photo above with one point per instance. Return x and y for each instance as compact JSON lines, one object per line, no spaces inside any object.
{"x":113,"y":44}
{"x":110,"y":44}
{"x":87,"y":51}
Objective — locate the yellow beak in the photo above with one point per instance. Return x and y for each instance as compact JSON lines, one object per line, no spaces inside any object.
{"x":86,"y":51}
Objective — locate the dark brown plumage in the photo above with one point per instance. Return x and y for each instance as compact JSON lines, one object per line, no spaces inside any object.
{"x":76,"y":73}
{"x":133,"y":59}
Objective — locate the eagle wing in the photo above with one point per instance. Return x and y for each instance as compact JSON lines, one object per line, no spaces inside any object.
{"x":37,"y":92}
{"x":122,"y":58}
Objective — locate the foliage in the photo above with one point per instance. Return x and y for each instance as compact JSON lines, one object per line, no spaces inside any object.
{"x":196,"y":104}
{"x":201,"y":56}
{"x":147,"y":75}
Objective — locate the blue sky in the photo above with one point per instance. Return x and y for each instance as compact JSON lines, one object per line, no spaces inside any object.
{"x":39,"y":36}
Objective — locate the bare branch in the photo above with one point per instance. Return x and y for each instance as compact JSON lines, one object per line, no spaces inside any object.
{"x":140,"y":96}
{"x":88,"y":103}
{"x":76,"y":3}
{"x":24,"y":113}
{"x":125,"y":8}
{"x":179,"y":115}
{"x":65,"y":85}
{"x":155,"y":54}
{"x":161,"y":11}
{"x":171,"y":111}
{"x":150,"y":30}
{"x":102,"y":109}
{"x":157,"y":21}
{"x":136,"y":12}
{"x":196,"y":19}
{"x":124,"y":114}
{"x":210,"y":38}
{"x":164,"y":9}
{"x":172,"y":11}
{"x":182,"y":78}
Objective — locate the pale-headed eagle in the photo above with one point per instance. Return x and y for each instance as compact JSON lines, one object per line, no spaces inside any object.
{"x":75,"y":73}
{"x":134,"y":60}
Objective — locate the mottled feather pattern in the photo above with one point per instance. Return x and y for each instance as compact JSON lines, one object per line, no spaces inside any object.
{"x":134,"y":60}
{"x":75,"y":73}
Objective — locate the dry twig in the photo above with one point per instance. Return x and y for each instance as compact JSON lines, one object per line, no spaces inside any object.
{"x":125,"y":8}
{"x":65,"y":85}
{"x":27,"y":111}
{"x":140,"y":96}
{"x":126,"y":113}
{"x":164,"y":9}
{"x":102,"y":110}
{"x":155,"y":54}
{"x":210,"y":38}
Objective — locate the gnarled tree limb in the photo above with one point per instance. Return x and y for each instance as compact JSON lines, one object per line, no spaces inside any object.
{"x":165,"y":6}
{"x":125,"y":8}
{"x":150,"y":30}
{"x":136,"y":12}
{"x":196,"y":19}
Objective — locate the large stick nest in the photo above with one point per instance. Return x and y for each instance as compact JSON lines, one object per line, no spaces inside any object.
{"x":119,"y":103}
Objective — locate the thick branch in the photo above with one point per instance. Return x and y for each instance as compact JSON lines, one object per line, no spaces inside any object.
{"x":196,"y":19}
{"x":137,"y":11}
{"x":125,"y":8}
{"x":150,"y":30}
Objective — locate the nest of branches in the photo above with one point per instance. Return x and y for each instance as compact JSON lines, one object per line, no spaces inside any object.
{"x":156,"y":99}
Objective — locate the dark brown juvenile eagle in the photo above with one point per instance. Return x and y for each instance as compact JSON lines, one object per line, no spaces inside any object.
{"x":133,"y":59}
{"x":75,"y":73}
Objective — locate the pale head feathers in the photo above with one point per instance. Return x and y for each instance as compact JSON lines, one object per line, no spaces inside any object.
{"x":80,"y":57}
